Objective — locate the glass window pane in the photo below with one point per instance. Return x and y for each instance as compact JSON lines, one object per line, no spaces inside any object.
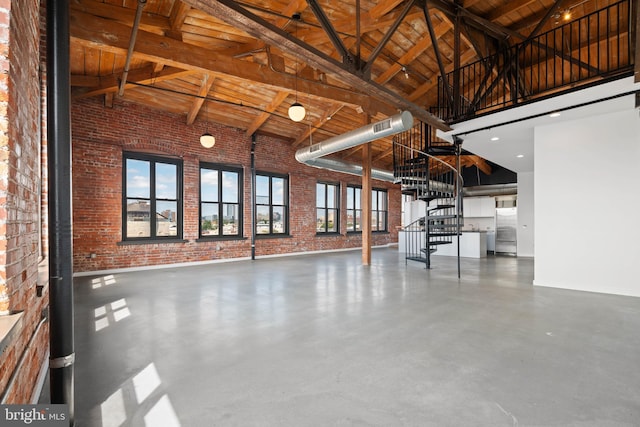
{"x":208,"y":185}
{"x":332,"y":221}
{"x":331,"y":196}
{"x":321,"y":220}
{"x":166,"y":184}
{"x":277,"y":195}
{"x":357,"y":197}
{"x":138,"y":218}
{"x":382,"y":200}
{"x":374,"y":200}
{"x":320,"y":195}
{"x":230,"y":187}
{"x":262,"y":190}
{"x":357,"y":219}
{"x":231,"y":219}
{"x":138,"y":179}
{"x":209,"y":219}
{"x":350,"y":198}
{"x":382,"y":221}
{"x":279,"y":220}
{"x":166,"y":218}
{"x":262,"y":220}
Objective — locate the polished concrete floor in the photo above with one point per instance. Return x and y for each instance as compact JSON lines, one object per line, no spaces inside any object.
{"x":321,"y":340}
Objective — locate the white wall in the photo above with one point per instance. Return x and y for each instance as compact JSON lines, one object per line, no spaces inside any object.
{"x":526,"y":215}
{"x":587,"y":204}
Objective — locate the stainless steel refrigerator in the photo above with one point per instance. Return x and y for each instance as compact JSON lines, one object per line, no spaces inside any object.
{"x":506,"y":230}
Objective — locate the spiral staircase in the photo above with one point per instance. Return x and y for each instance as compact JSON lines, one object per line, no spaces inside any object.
{"x":422,"y":166}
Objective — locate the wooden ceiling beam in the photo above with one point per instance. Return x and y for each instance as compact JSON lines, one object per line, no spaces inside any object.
{"x":207,"y":82}
{"x":179,"y":13}
{"x":110,"y":83}
{"x":97,"y":33}
{"x":234,"y":14}
{"x":148,"y":21}
{"x":383,"y":7}
{"x":326,"y":115}
{"x":480,"y":163}
{"x":264,"y":116}
{"x":416,"y":50}
{"x":508,"y":7}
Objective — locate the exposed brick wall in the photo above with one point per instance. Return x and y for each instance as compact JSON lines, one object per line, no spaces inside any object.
{"x":20,"y":191}
{"x":101,"y":134}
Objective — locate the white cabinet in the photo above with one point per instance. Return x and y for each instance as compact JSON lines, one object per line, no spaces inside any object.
{"x":479,"y":207}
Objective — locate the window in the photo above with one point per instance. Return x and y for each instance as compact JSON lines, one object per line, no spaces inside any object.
{"x":354,"y":210}
{"x":327,"y":207}
{"x":152,"y":197}
{"x":378,"y":210}
{"x":272,"y":209}
{"x":220,"y":201}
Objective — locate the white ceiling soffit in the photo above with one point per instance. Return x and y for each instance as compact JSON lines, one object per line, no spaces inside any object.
{"x":514,"y":127}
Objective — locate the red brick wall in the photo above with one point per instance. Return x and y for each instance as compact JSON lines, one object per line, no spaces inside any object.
{"x":20,"y":191}
{"x":101,"y":134}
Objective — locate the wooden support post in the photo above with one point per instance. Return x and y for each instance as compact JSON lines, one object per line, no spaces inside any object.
{"x":365,"y":201}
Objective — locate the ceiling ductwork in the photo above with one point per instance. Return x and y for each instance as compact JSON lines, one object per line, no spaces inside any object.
{"x":492,"y":190}
{"x":395,"y":124}
{"x":350,"y":168}
{"x":311,"y":155}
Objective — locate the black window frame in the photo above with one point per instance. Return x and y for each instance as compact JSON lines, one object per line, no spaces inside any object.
{"x":285,"y":206}
{"x":356,"y":201}
{"x":153,"y":199}
{"x":220,"y":169}
{"x":376,"y":213}
{"x":327,"y":209}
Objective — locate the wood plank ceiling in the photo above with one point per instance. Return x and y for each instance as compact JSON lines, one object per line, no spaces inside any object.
{"x":250,"y":60}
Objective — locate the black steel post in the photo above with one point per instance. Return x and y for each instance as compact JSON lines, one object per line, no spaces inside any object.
{"x":253,"y":196}
{"x":61,"y":342}
{"x":459,"y":191}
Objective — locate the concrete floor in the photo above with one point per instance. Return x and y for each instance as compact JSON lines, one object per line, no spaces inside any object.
{"x":323,"y":341}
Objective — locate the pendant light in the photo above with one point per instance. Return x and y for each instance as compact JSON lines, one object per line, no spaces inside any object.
{"x":297,"y":113}
{"x":206,"y":139}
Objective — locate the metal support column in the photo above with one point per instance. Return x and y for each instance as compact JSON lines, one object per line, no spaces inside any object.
{"x":253,"y":196}
{"x":459,"y":191}
{"x":61,"y":340}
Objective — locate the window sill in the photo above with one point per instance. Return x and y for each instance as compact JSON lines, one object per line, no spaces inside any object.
{"x":273,"y":236}
{"x":219,"y":238}
{"x":332,"y":234}
{"x":150,"y":242}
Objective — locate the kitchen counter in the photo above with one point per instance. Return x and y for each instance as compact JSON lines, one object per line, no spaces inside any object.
{"x":473,"y":244}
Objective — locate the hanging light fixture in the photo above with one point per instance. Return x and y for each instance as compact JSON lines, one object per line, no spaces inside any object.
{"x":297,"y":113}
{"x":206,"y":139}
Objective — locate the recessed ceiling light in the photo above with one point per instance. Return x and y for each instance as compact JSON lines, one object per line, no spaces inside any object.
{"x":495,"y":138}
{"x":520,"y":156}
{"x":555,"y":114}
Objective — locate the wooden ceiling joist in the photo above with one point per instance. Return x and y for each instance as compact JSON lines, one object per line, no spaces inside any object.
{"x":207,"y":82}
{"x":97,"y":33}
{"x":234,"y":14}
{"x":142,"y":76}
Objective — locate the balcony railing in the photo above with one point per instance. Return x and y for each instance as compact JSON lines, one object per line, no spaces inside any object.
{"x":594,"y":48}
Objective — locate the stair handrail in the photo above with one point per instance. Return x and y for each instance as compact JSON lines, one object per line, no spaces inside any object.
{"x":459,"y":176}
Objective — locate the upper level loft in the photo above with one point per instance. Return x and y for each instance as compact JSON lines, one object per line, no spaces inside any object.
{"x":596,"y":48}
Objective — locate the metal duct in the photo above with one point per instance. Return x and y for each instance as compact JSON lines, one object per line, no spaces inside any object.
{"x":390,"y":126}
{"x":492,"y":190}
{"x":351,"y":168}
